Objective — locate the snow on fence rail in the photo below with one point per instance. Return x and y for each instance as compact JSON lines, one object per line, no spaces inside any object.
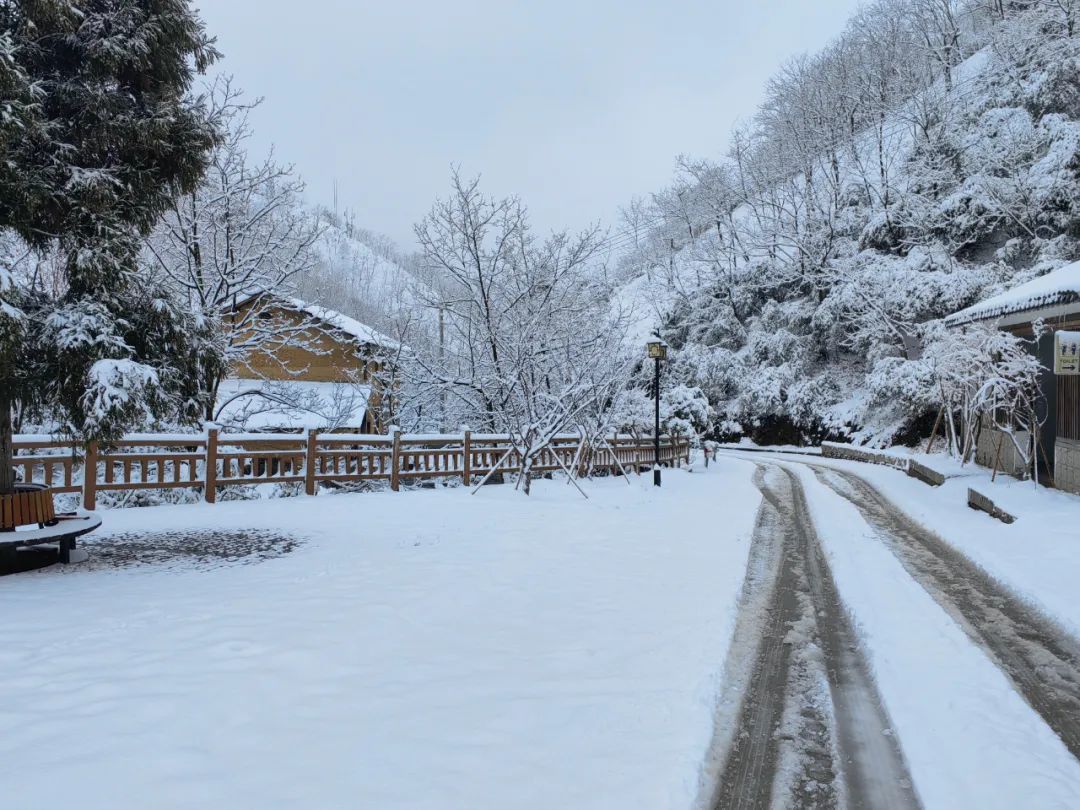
{"x":213,"y":459}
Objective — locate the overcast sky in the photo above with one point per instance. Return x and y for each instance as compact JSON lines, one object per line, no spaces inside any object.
{"x":575,"y":105}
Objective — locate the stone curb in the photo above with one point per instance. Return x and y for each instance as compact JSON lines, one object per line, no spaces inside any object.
{"x":927,"y":475}
{"x":849,"y":452}
{"x":976,"y":500}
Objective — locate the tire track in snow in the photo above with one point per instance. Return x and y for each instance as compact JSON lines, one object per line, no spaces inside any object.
{"x":810,"y":729}
{"x":1040,"y":658}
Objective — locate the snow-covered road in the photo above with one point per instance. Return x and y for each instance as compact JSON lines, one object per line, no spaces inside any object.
{"x":701,"y":645}
{"x":980,"y":688}
{"x":809,"y":729}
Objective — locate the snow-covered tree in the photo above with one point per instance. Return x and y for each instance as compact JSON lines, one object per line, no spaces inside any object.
{"x":241,"y":232}
{"x":981,"y":376}
{"x":101,"y":136}
{"x":529,"y":345}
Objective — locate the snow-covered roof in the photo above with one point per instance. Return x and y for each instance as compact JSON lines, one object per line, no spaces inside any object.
{"x":1061,"y":286}
{"x":267,"y":404}
{"x":350,"y":326}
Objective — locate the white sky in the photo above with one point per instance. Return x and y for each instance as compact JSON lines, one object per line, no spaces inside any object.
{"x":574,"y":106}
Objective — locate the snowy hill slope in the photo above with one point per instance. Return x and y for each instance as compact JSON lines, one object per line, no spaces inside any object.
{"x":800,"y":278}
{"x":363,"y":276}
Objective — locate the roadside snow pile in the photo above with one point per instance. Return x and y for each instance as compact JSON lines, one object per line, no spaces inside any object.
{"x":421,"y":650}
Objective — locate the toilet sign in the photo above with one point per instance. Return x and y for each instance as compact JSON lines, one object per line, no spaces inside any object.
{"x":1067,"y":352}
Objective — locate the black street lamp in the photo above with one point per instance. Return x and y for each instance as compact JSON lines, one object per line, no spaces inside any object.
{"x":657,"y":351}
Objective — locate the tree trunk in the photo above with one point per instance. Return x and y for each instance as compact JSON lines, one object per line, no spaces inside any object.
{"x":7,"y":452}
{"x":525,"y":475}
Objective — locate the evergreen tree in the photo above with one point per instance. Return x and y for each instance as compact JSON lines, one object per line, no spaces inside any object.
{"x":98,"y":134}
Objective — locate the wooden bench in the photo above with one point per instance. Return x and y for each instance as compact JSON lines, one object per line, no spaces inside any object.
{"x":64,"y":532}
{"x":32,"y":505}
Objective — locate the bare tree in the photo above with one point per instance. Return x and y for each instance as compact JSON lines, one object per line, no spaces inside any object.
{"x":242,"y":233}
{"x":530,"y":342}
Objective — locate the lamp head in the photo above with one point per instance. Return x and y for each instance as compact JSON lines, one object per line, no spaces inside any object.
{"x":657,"y":349}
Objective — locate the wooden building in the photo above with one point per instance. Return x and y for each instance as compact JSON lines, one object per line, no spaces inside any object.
{"x":1053,"y":299}
{"x":309,"y":367}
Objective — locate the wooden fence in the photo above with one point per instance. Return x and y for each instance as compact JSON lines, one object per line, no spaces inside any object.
{"x":214,"y":460}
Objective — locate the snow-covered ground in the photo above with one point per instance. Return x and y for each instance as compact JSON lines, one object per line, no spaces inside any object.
{"x":420,"y":650}
{"x":1037,"y":557}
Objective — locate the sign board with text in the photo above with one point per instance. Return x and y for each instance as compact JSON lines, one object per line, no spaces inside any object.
{"x":1067,"y":352}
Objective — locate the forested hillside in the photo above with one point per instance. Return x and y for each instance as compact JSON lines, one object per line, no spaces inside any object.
{"x":364,"y":275}
{"x":928,"y":158}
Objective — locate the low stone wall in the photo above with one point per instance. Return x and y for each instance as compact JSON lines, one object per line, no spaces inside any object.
{"x":1011,"y":462}
{"x":910,"y":466}
{"x":1067,"y":465}
{"x":851,"y":453}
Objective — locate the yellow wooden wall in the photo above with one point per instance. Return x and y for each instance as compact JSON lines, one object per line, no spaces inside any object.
{"x":311,"y":355}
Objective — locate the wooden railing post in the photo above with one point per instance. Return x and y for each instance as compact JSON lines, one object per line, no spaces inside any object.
{"x":309,"y":462}
{"x":466,"y":465}
{"x":89,"y":490}
{"x":210,"y":470}
{"x":395,"y":462}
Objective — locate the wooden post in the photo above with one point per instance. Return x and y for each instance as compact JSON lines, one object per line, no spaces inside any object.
{"x":586,"y":455}
{"x":933,"y":433}
{"x":997,"y":456}
{"x":210,"y":470}
{"x":1039,"y":448}
{"x":395,"y":462}
{"x":466,"y":465}
{"x":89,"y":490}
{"x":309,"y":466}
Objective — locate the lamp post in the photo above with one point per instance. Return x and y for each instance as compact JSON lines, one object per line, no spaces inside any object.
{"x":657,"y":350}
